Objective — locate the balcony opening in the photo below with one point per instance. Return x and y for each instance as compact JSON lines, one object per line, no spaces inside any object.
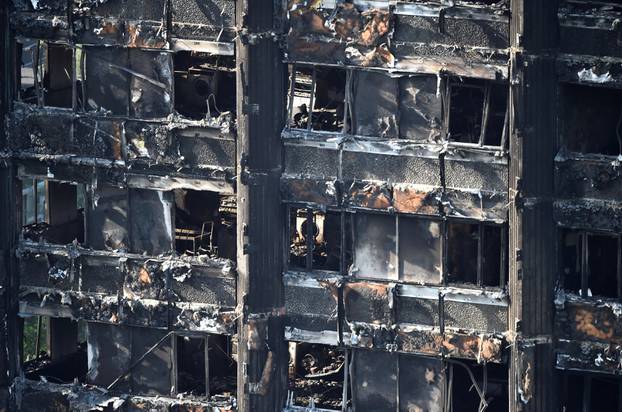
{"x":203,"y":87}
{"x":591,"y":119}
{"x":52,"y":211}
{"x":317,"y":98}
{"x":476,"y":254}
{"x":205,"y":223}
{"x":318,"y":232}
{"x":590,"y":263}
{"x":316,"y":376}
{"x":477,"y":112}
{"x":54,"y":349}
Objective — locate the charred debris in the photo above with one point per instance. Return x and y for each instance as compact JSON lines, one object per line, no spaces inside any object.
{"x":311,"y":205}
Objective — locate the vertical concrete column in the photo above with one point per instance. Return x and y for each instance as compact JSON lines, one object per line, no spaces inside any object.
{"x":262,"y":353}
{"x":532,"y":230}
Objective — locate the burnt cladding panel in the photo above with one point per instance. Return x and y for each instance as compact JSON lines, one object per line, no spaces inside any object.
{"x":311,"y":161}
{"x":42,"y":133}
{"x":366,"y":302}
{"x":205,"y":285}
{"x":311,"y":308}
{"x":590,"y":41}
{"x":473,"y":316}
{"x":99,"y":274}
{"x":420,"y":110}
{"x":209,"y":12}
{"x":151,"y":218}
{"x":478,"y":175}
{"x":151,"y":84}
{"x":375,"y":105}
{"x":205,"y":147}
{"x":107,"y":219}
{"x":391,"y":168}
{"x":107,"y":79}
{"x":418,"y":311}
{"x":465,"y":32}
{"x":375,"y":382}
{"x":130,"y":9}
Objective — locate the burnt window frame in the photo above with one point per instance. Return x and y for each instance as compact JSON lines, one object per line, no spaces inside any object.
{"x":310,"y":211}
{"x":292,"y":68}
{"x":38,"y":78}
{"x":586,"y":386}
{"x":346,"y":396}
{"x":347,"y":253}
{"x":583,"y":260}
{"x":504,"y":258}
{"x":486,"y":86}
{"x":175,"y":359}
{"x":82,"y":199}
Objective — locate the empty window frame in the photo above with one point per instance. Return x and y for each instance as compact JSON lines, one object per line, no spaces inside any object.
{"x":591,"y":263}
{"x":46,"y":73}
{"x":473,"y":387}
{"x":204,"y":86}
{"x":591,"y":119}
{"x":318,"y":232}
{"x":476,"y":253}
{"x":205,"y":365}
{"x":317,"y":98}
{"x":53,"y":211}
{"x":590,"y":392}
{"x":205,"y":223}
{"x":317,"y":376}
{"x":477,"y":114}
{"x":54,"y":348}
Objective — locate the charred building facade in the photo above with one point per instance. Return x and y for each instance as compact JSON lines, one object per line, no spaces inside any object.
{"x":311,"y":205}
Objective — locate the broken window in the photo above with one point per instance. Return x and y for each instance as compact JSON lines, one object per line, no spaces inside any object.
{"x":205,"y":223}
{"x":477,"y":112}
{"x":318,"y":232}
{"x":53,"y":348}
{"x":317,"y":98}
{"x":474,"y":386}
{"x":589,"y":392}
{"x":206,"y":365}
{"x":46,"y":73}
{"x":476,"y":253}
{"x":591,"y":119}
{"x":316,"y":376}
{"x":204,"y":86}
{"x":53,"y":211}
{"x":591,"y":263}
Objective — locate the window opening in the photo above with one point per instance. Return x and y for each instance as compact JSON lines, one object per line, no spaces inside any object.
{"x":476,"y":253}
{"x":205,"y":223}
{"x":52,"y":348}
{"x":590,"y":263}
{"x":317,"y":98}
{"x":204,"y":87}
{"x":316,"y":376}
{"x":53,"y":211}
{"x":477,"y":112}
{"x":318,"y":232}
